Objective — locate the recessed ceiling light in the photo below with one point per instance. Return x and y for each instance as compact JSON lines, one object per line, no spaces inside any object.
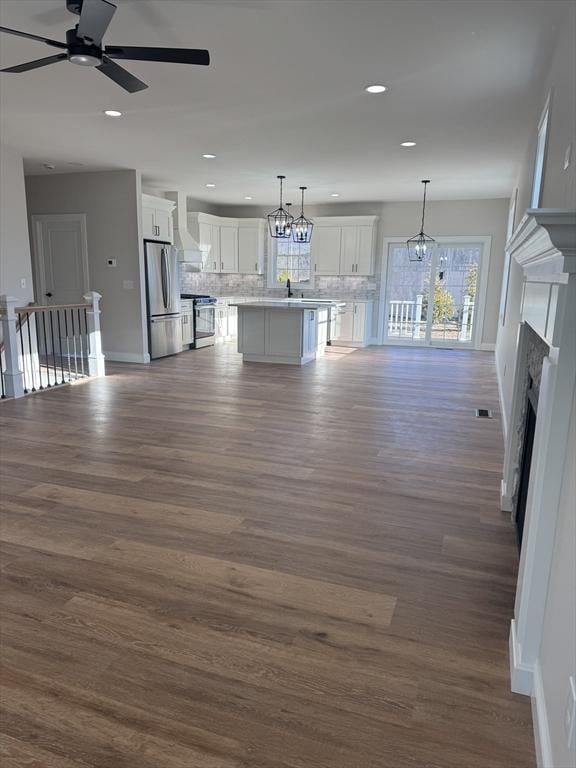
{"x":408,"y":144}
{"x":376,"y":88}
{"x":335,"y":194}
{"x":209,"y":156}
{"x":210,"y":185}
{"x":247,"y":197}
{"x":112,"y":113}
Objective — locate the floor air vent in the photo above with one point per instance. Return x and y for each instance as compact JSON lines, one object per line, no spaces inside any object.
{"x":483,"y":413}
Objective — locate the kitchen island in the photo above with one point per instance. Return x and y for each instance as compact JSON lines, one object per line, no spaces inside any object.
{"x":282,"y":331}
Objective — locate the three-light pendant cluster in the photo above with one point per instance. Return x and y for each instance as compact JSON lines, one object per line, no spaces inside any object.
{"x":283,"y":226}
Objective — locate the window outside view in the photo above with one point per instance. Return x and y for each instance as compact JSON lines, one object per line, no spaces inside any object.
{"x":293,"y":261}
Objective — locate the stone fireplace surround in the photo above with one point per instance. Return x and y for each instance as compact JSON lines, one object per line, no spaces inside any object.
{"x":544,"y":244}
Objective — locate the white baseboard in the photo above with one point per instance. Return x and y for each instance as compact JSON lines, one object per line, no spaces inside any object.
{"x":506,"y":501}
{"x":521,"y":674}
{"x":504,"y":418}
{"x":486,"y":347}
{"x":542,"y":740}
{"x":126,"y":357}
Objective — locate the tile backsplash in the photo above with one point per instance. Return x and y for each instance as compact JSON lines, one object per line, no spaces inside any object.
{"x":330,"y":287}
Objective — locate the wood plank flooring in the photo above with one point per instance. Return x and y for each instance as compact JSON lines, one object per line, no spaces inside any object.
{"x":207,"y":564}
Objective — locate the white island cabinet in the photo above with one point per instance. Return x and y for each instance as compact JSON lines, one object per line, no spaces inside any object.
{"x":281,"y":331}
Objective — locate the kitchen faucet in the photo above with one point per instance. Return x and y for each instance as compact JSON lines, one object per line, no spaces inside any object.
{"x":289,"y":289}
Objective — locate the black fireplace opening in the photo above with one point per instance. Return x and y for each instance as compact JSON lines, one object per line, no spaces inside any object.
{"x":526,"y":460}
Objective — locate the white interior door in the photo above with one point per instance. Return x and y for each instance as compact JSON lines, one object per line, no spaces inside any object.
{"x":60,"y":258}
{"x":434,"y":302}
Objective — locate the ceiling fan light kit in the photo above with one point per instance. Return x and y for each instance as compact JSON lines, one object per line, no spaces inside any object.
{"x":421,"y":246}
{"x":83,"y":47}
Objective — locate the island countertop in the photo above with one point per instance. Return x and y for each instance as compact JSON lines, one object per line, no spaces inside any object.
{"x":299,"y":305}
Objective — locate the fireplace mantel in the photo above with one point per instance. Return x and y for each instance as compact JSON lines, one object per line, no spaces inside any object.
{"x":544,"y":245}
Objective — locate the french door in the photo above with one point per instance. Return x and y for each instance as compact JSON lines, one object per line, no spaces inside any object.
{"x":433,"y":302}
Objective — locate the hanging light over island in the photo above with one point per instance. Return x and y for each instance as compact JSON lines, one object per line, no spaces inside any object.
{"x":301,"y":226}
{"x":280,"y":220}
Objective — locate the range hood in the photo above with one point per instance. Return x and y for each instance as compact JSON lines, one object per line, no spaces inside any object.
{"x":188,"y":249}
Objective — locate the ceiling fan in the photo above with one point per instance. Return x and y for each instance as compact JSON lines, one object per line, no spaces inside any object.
{"x":83,"y":46}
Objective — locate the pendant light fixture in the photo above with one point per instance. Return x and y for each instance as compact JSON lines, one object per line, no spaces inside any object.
{"x":421,"y":245}
{"x":301,"y":226}
{"x":280,"y":220}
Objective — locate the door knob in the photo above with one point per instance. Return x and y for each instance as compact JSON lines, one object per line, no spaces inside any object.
{"x":48,"y":294}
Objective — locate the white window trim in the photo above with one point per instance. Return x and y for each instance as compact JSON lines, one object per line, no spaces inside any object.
{"x":540,"y":156}
{"x":270,"y":272}
{"x":484,"y":240}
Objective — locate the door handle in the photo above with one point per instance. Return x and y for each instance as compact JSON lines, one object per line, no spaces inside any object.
{"x":48,"y":294}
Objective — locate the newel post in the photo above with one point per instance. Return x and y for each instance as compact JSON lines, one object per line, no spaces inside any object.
{"x":13,"y":376}
{"x":95,"y":357}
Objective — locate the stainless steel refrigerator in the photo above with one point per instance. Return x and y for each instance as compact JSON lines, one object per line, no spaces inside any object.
{"x":163,"y":299}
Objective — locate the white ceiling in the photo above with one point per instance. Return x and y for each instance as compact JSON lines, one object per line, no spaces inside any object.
{"x":285,"y":94}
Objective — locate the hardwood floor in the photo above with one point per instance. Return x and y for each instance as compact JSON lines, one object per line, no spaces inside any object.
{"x":215,"y":565}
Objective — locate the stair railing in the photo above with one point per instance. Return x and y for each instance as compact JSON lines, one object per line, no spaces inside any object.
{"x":45,"y":346}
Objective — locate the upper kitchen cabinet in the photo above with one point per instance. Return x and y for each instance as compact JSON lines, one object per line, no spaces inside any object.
{"x":344,"y":245}
{"x":251,"y":238}
{"x":326,"y":248}
{"x":157,"y":218}
{"x":229,"y":245}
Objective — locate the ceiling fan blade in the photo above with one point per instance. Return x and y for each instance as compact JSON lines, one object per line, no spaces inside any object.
{"x":37,"y":63}
{"x":121,"y":76}
{"x":170,"y":55}
{"x":54,"y":43}
{"x":95,"y":18}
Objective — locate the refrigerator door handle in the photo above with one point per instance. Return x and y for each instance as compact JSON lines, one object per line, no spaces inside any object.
{"x":169,"y":266}
{"x":164,"y":281}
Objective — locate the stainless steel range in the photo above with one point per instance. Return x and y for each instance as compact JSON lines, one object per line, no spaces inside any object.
{"x":204,"y":319}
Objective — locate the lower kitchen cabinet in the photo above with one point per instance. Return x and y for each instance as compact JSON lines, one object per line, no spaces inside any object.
{"x":355,"y":324}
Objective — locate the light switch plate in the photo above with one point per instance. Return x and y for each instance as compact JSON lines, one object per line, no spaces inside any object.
{"x":128,"y":285}
{"x":570,"y":721}
{"x":23,"y":283}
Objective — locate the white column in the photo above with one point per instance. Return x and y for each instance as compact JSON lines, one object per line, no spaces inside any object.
{"x":96,"y":365}
{"x":13,"y":376}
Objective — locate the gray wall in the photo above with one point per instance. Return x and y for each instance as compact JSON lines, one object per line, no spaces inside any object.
{"x":15,"y":261}
{"x":559,"y":187}
{"x":557,"y":655}
{"x":111,"y":202}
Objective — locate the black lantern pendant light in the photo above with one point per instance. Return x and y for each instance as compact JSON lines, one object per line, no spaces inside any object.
{"x":301,"y":226}
{"x":280,"y":220}
{"x":421,"y":245}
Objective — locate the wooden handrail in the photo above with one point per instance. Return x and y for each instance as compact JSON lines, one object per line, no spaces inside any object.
{"x":48,"y":307}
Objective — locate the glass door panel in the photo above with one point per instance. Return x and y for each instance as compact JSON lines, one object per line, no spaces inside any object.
{"x":456,"y":279}
{"x":407,"y":302}
{"x":433,"y":302}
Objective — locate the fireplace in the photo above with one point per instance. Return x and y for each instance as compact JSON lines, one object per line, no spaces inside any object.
{"x":544,"y":245}
{"x":525,"y":465}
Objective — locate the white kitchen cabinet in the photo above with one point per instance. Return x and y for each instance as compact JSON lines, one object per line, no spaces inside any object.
{"x":209,"y":241}
{"x":228,"y":249}
{"x":251,"y":238}
{"x":357,"y":253}
{"x":229,"y":245}
{"x":344,"y":245}
{"x":157,"y":218}
{"x":355,"y":324}
{"x":325,"y":248}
